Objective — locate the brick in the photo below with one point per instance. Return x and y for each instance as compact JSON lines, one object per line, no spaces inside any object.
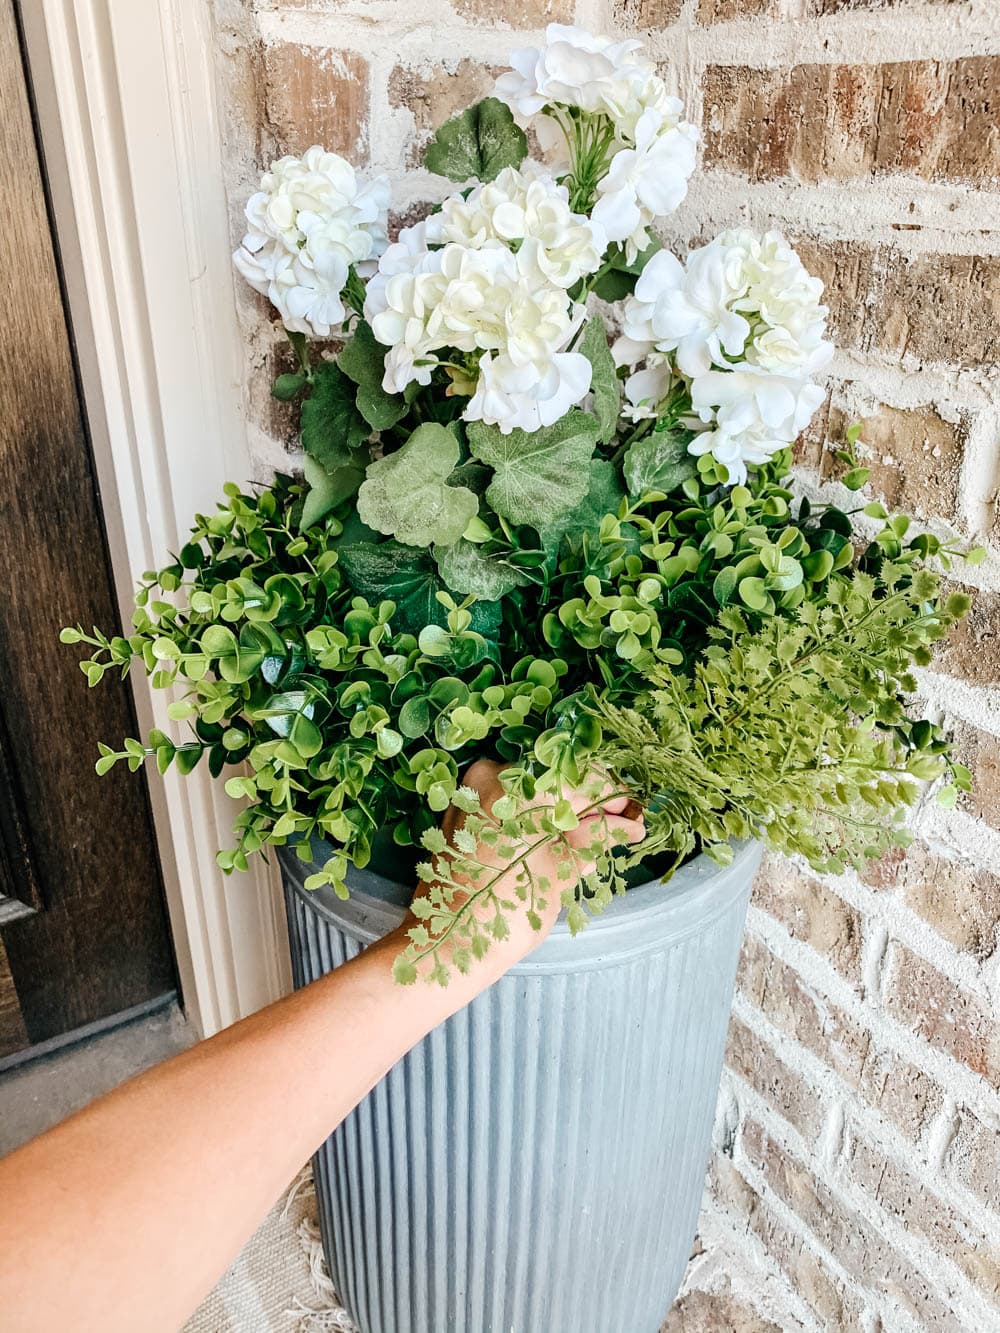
{"x":821,"y":8}
{"x":959,"y":899}
{"x":980,"y":752}
{"x":728,"y":1187}
{"x":806,"y":1272}
{"x":810,"y":912}
{"x":715,"y":1312}
{"x":931,"y":307}
{"x":972,"y":649}
{"x":759,"y":1066}
{"x":903,"y":1093}
{"x":720,"y":11}
{"x":861,"y":1251}
{"x":792,"y":1006}
{"x":847,"y":269}
{"x":924,"y":1000}
{"x":924,"y":1214}
{"x":313,"y":95}
{"x":940,"y":308}
{"x":974,"y":1158}
{"x":433,"y":95}
{"x":913,"y":454}
{"x":515,"y":13}
{"x":934,"y":119}
{"x":647,"y":15}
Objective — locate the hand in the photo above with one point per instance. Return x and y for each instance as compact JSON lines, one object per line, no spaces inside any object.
{"x":610,"y":820}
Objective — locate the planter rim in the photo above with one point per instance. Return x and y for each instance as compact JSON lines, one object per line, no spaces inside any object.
{"x":646,"y":919}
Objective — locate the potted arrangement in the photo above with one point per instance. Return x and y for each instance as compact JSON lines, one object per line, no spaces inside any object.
{"x":546,"y":516}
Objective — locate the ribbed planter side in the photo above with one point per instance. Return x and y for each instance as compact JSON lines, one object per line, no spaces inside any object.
{"x":536,"y":1164}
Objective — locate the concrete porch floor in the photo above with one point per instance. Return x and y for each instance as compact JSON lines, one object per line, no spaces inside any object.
{"x":39,"y":1095}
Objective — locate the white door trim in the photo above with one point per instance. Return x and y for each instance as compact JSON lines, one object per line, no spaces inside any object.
{"x":126,"y":99}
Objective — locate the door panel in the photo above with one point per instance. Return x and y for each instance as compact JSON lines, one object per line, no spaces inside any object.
{"x":13,"y":1034}
{"x":79,"y":862}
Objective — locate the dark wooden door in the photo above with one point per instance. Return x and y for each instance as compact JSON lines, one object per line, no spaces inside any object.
{"x":83,"y":931}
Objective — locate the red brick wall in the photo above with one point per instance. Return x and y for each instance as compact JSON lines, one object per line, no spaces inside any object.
{"x":855,"y":1182}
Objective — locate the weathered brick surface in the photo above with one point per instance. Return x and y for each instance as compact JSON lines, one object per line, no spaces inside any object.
{"x":811,"y":913}
{"x":924,"y":1000}
{"x":785,"y":1090}
{"x":929,"y":118}
{"x":823,"y":8}
{"x":646,"y":15}
{"x":715,"y":1312}
{"x":314,"y":95}
{"x":913,"y":454}
{"x":810,"y":1277}
{"x":838,"y":1226}
{"x":973,"y":647}
{"x":434,"y":93}
{"x":935,"y":308}
{"x":903,"y":1093}
{"x":802,"y":1012}
{"x":974,"y":1157}
{"x":980,"y":751}
{"x":515,"y":13}
{"x":903,"y":1196}
{"x":718,"y":11}
{"x":958,"y":898}
{"x":938,"y":308}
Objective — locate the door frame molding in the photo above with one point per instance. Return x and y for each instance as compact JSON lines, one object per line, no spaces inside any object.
{"x":125,"y":92}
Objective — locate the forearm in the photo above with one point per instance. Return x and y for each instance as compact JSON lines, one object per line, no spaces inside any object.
{"x":217,"y":1132}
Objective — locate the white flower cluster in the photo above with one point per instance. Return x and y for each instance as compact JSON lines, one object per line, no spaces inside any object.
{"x":653,"y":151}
{"x":310,"y":221}
{"x":530,"y":207}
{"x":495,"y":292}
{"x":486,"y":298}
{"x":741,"y":320}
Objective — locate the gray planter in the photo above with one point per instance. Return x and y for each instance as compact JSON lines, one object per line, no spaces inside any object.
{"x":535,"y":1165}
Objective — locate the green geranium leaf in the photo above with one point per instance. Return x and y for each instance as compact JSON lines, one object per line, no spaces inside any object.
{"x":363,"y":361}
{"x":406,"y":494}
{"x":619,"y":279}
{"x":604,"y":495}
{"x":332,"y":427}
{"x":537,"y":475}
{"x":660,"y":462}
{"x":408,"y":577}
{"x":604,"y":382}
{"x":467,"y":570}
{"x":477,"y":143}
{"x":327,"y":489}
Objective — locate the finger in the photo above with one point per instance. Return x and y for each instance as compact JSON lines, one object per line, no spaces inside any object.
{"x":622,"y":805}
{"x":614,"y":832}
{"x":596,"y":789}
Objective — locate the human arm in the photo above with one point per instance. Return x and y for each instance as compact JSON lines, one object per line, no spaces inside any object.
{"x":125,"y":1216}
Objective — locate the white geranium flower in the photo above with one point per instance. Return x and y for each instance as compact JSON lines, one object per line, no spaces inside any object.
{"x":645,"y":390}
{"x":786,"y":299}
{"x":652,"y":152}
{"x":528,"y":393}
{"x":749,"y":415}
{"x":528,"y":206}
{"x":312,"y":218}
{"x":573,"y":68}
{"x":688,"y":310}
{"x":648,"y":179}
{"x":741,"y":297}
{"x":494,"y":307}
